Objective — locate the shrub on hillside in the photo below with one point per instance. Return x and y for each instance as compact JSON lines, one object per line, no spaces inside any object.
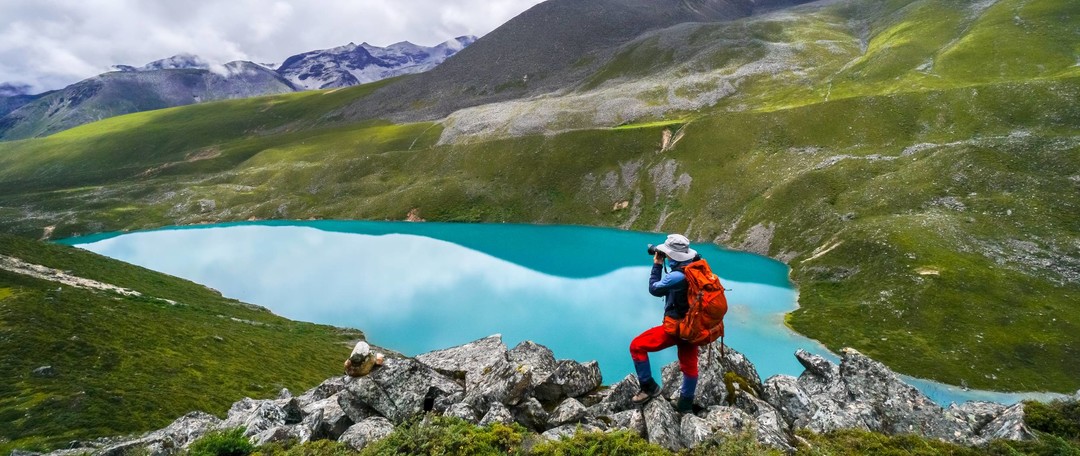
{"x":1060,"y":418}
{"x":450,"y":436}
{"x":228,"y":442}
{"x":853,"y":442}
{"x":316,"y":448}
{"x":744,"y":444}
{"x":596,"y":443}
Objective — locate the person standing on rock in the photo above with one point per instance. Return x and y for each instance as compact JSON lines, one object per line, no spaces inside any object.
{"x":673,"y":288}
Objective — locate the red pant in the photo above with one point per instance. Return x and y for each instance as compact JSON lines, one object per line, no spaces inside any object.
{"x":657,"y":339}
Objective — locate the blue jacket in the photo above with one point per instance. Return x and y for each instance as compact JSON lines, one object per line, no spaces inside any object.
{"x":672,"y":287}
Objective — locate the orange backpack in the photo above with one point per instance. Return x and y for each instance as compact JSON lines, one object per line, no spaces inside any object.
{"x":704,"y":323}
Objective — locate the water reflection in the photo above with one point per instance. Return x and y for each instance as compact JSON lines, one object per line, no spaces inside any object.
{"x":416,"y":293}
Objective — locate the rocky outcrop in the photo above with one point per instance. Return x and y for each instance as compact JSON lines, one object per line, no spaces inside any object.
{"x":484,"y":382}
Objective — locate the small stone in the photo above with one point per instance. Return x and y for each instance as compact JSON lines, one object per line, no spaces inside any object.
{"x":462,"y":411}
{"x":568,"y":431}
{"x":497,"y":413}
{"x":531,"y":415}
{"x":632,"y":420}
{"x":568,"y":412}
{"x":367,"y":432}
{"x":44,"y":372}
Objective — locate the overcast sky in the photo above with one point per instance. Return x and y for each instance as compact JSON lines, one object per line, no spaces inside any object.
{"x":49,"y":44}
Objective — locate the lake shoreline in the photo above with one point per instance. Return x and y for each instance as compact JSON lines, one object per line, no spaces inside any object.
{"x":943,"y":391}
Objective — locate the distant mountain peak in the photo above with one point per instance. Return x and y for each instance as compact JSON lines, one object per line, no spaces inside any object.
{"x":182,"y":61}
{"x":351,"y":64}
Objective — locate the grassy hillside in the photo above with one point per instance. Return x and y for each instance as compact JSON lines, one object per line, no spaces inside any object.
{"x":916,"y":162}
{"x":125,"y":364}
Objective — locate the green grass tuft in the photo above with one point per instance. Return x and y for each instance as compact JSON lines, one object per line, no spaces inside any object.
{"x":229,"y":442}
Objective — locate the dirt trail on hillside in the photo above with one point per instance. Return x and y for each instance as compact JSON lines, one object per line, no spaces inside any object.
{"x":36,"y":271}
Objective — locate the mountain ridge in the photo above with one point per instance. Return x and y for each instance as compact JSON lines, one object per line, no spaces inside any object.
{"x":187,"y":79}
{"x":538,"y":52}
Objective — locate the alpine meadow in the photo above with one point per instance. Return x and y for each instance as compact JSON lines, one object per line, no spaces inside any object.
{"x":915,"y":162}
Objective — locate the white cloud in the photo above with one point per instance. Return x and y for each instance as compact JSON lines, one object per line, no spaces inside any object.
{"x":52,"y":43}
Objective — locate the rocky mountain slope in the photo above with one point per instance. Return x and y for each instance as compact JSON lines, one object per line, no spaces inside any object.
{"x":188,"y":79}
{"x":551,"y":46}
{"x":915,"y":162}
{"x":350,"y":65}
{"x":484,"y":382}
{"x":123,"y":92}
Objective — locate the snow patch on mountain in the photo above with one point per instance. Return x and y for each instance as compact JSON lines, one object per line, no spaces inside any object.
{"x":351,"y":64}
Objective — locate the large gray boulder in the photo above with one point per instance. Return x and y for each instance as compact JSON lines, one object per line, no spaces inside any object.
{"x":717,"y":421}
{"x":536,"y":359}
{"x":976,"y":414}
{"x":712,"y":370}
{"x":770,"y":427}
{"x":353,"y":406}
{"x":296,"y":433}
{"x":367,"y":432}
{"x":255,"y":416}
{"x":469,"y":361}
{"x":569,"y":379}
{"x":570,"y":411}
{"x":786,"y":396}
{"x":1008,"y":425}
{"x":531,"y":414}
{"x":502,"y":381}
{"x":168,"y":440}
{"x":892,"y":406}
{"x":327,"y":388}
{"x":662,"y":424}
{"x":617,"y":398}
{"x":497,"y":413}
{"x":737,"y":363}
{"x":821,"y":377}
{"x":462,"y":411}
{"x":293,"y":413}
{"x":402,"y":388}
{"x":327,"y":420}
{"x":633,"y":420}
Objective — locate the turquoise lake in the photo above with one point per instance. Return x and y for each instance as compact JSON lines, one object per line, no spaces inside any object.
{"x":417,"y":287}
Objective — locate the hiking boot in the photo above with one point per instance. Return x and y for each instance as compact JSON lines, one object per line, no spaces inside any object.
{"x":648,"y":391}
{"x":685,"y":405}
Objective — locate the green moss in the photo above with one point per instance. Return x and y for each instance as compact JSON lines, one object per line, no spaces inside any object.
{"x":735,"y":385}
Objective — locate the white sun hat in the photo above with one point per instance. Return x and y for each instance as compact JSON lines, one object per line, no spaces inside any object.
{"x":677,"y":247}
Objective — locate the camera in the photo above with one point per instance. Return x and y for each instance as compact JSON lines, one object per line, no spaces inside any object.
{"x":652,"y":250}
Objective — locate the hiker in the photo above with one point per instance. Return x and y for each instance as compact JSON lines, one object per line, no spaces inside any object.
{"x":673,"y":287}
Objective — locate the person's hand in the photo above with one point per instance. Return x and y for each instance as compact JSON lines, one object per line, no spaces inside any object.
{"x":658,"y":258}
